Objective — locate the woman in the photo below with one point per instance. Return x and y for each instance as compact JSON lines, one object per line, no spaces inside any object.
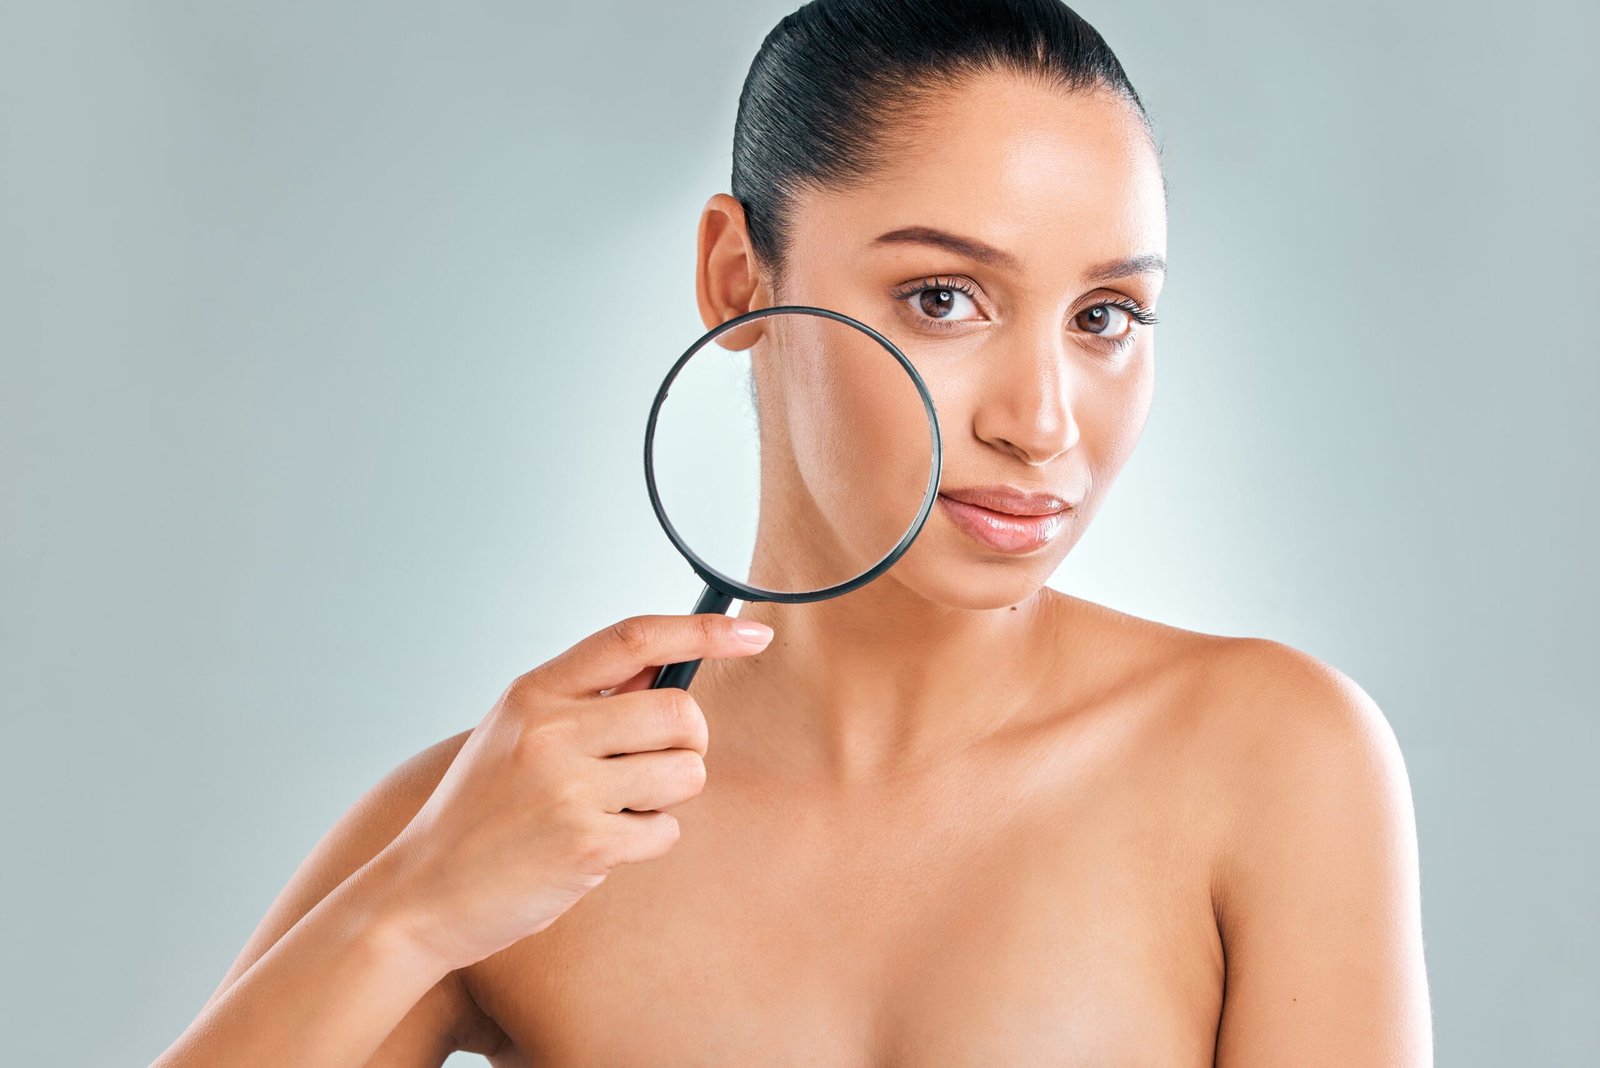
{"x":954,"y":817}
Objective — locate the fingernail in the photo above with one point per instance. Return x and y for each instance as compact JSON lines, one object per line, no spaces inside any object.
{"x":754,"y":633}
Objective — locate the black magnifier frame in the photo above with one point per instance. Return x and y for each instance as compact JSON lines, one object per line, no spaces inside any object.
{"x":721,"y":590}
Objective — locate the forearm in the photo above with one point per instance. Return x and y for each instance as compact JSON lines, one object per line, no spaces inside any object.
{"x":325,"y":995}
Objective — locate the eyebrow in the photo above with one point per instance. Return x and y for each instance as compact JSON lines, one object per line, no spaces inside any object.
{"x":972,"y":248}
{"x":1144,"y":263}
{"x":969,"y":247}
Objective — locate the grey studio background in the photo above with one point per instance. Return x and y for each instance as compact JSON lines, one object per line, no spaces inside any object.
{"x":329,"y":330}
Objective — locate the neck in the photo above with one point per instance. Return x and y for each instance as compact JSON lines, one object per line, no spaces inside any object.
{"x":877,"y":683}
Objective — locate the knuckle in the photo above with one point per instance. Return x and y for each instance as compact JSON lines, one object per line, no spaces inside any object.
{"x":594,"y":851}
{"x":692,"y":768}
{"x":533,"y":746}
{"x":525,"y":689}
{"x":570,"y":796}
{"x":631,"y":633}
{"x":711,"y":625}
{"x":689,"y":723}
{"x":514,"y":692}
{"x":678,"y":707}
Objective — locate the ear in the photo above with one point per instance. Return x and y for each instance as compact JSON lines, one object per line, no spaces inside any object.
{"x":727,"y":279}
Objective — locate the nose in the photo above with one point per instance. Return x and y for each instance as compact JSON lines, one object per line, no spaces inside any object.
{"x":1025,"y":406}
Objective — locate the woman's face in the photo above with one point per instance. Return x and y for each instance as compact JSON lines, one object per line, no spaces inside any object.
{"x":1007,"y":254}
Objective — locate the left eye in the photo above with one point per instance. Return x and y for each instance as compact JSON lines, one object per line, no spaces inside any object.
{"x":1106,"y":320}
{"x":939,"y":302}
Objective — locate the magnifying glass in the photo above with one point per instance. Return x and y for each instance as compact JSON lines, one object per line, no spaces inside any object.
{"x":798,"y":459}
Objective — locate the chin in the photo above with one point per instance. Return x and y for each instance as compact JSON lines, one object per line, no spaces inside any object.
{"x":975,"y":580}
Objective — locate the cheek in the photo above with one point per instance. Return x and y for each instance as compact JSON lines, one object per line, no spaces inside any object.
{"x":861,"y":436}
{"x":1112,"y":415}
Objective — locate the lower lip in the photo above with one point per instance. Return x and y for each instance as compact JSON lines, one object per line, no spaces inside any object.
{"x":1002,"y":531}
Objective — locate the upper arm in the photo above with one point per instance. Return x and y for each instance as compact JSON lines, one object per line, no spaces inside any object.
{"x":1318,"y":893}
{"x":445,"y":1019}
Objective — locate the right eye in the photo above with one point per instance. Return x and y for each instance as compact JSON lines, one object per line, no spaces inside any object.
{"x":936,"y":301}
{"x":940,"y":302}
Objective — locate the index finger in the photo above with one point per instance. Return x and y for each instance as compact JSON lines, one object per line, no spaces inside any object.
{"x":613,"y":655}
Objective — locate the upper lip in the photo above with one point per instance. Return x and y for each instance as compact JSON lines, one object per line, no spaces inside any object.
{"x":1008,"y":499}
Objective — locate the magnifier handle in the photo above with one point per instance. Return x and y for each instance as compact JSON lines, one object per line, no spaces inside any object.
{"x":713,"y":601}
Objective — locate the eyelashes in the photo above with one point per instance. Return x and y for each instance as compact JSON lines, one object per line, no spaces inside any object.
{"x":903,"y":294}
{"x":1135,"y":311}
{"x":1131,"y":306}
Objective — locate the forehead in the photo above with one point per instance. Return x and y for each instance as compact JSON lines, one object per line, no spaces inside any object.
{"x":1060,"y":180}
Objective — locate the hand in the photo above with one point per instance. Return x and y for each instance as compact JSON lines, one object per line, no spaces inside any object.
{"x":565,"y":778}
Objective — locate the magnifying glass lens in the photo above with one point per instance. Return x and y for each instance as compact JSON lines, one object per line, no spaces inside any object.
{"x":793,"y":453}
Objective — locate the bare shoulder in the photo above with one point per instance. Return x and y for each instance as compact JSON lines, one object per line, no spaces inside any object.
{"x":1279,"y":726}
{"x":445,"y":1019}
{"x":1316,"y":882}
{"x":1271,"y":686}
{"x":1276,"y":707}
{"x":1296,"y":728}
{"x":1314,"y":872}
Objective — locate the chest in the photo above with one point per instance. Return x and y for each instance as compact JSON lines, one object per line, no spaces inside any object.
{"x":965,"y":927}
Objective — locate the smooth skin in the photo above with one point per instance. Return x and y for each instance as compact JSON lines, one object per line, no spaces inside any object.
{"x":954,"y":817}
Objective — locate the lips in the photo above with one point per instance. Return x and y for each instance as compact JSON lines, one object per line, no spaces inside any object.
{"x":1017,"y":522}
{"x":1008,"y":499}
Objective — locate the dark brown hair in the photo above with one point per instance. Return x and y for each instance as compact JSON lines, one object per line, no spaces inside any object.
{"x":819,"y":103}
